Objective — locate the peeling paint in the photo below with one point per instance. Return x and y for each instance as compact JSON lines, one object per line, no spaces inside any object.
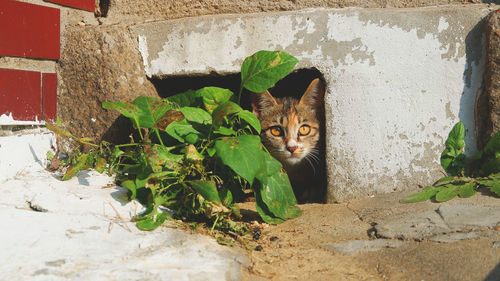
{"x":397,"y":80}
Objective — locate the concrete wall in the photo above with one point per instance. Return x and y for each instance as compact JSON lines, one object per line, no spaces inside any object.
{"x":398,"y":79}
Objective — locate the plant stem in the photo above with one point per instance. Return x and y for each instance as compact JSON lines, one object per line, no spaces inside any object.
{"x":158,"y":135}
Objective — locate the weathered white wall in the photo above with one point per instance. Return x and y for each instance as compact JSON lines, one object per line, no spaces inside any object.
{"x":22,"y":152}
{"x":397,"y":80}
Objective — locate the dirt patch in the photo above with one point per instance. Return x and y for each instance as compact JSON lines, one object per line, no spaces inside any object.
{"x":295,"y":249}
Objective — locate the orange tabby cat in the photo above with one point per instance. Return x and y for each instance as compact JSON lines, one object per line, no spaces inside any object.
{"x":292,"y":132}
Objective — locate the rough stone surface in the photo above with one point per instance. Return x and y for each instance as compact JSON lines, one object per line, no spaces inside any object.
{"x":361,"y":246}
{"x":411,"y":226}
{"x":489,"y":101}
{"x":126,"y":10}
{"x":78,"y":230}
{"x":461,"y":217}
{"x":453,"y":237}
{"x":98,"y":64}
{"x":386,"y":122}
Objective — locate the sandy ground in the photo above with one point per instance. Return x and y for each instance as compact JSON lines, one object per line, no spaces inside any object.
{"x":296,"y":249}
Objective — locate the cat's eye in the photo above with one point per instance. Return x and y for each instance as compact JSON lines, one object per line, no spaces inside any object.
{"x":276,"y":131}
{"x":304,"y":130}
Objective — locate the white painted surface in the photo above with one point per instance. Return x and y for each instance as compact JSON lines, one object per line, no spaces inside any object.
{"x":20,"y":153}
{"x":80,"y":237}
{"x":8,"y":120}
{"x":398,"y":80}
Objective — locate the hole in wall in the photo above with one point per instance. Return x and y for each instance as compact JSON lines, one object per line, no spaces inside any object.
{"x":103,"y":8}
{"x":293,"y":85}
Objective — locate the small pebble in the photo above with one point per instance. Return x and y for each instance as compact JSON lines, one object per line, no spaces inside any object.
{"x":258,"y":248}
{"x":256,"y":235}
{"x":273,"y":238}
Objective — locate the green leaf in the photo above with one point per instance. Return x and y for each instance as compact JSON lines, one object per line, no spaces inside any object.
{"x":152,"y":223}
{"x":452,"y":158}
{"x":213,"y":97}
{"x":492,"y":148}
{"x":188,"y":98}
{"x":242,"y":154}
{"x":224,"y":110}
{"x":496,"y":189}
{"x":150,"y":110}
{"x":263,"y":211}
{"x":251,"y":119}
{"x":159,"y":156}
{"x":491,"y":166}
{"x":263,"y":69}
{"x":192,"y":154}
{"x":444,"y":180}
{"x":126,"y":109}
{"x":130,"y":185}
{"x":270,"y":166}
{"x":181,"y":131}
{"x":277,"y":194}
{"x":447,"y":193}
{"x":211,"y":151}
{"x":82,"y":164}
{"x":225,"y":131}
{"x":456,"y":137}
{"x":206,"y":189}
{"x":466,"y":190}
{"x":425,"y":194}
{"x":100,"y":164}
{"x":196,"y":115}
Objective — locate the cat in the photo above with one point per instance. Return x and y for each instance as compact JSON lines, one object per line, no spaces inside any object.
{"x":292,"y":131}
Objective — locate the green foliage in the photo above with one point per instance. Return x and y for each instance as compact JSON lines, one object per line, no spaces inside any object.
{"x":198,"y":151}
{"x":467,"y":175}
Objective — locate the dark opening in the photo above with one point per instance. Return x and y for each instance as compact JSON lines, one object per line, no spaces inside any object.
{"x":103,"y":8}
{"x":293,"y":85}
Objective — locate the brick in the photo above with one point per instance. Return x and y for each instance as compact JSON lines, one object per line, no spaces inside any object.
{"x":29,"y":30}
{"x":49,"y":96}
{"x":20,"y":94}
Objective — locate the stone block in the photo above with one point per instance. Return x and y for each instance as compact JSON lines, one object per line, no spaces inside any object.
{"x":397,"y":79}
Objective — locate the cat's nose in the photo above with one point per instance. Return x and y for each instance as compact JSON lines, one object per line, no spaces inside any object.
{"x":291,"y":148}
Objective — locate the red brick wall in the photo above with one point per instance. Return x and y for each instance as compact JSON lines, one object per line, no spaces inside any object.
{"x":31,"y":31}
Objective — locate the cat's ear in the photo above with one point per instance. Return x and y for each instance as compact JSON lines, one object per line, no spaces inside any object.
{"x":262,"y":101}
{"x":314,"y":94}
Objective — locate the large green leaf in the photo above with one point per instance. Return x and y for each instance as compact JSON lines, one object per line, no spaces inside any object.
{"x":242,"y":154}
{"x":126,"y":109}
{"x":196,"y":115}
{"x":263,"y":211}
{"x":277,"y":195}
{"x":130,"y":185}
{"x":496,"y":189}
{"x":263,"y":69}
{"x":466,"y":190}
{"x":452,"y":158}
{"x":269,"y":167}
{"x":188,"y":98}
{"x":206,"y":189}
{"x":251,"y":119}
{"x":183,"y":131}
{"x":159,"y":156}
{"x":213,"y":97}
{"x":224,"y":110}
{"x":447,"y":193}
{"x":425,"y":194}
{"x":150,"y":110}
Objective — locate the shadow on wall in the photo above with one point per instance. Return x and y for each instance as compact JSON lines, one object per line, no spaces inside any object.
{"x":471,"y":112}
{"x":494,"y":275}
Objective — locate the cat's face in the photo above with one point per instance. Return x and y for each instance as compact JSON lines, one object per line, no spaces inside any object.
{"x":290,"y":127}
